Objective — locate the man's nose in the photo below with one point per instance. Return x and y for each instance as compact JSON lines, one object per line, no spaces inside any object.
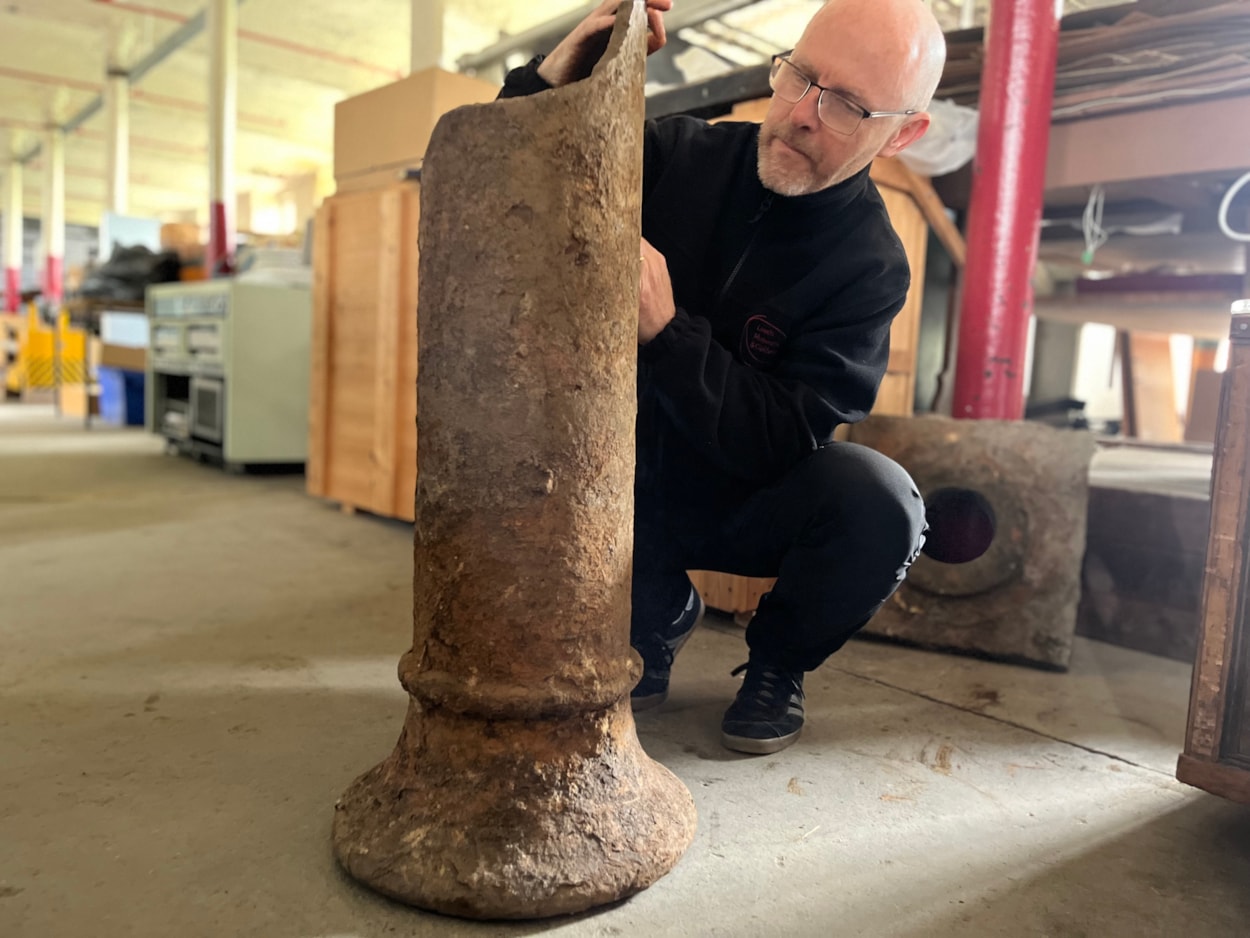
{"x":804,"y":113}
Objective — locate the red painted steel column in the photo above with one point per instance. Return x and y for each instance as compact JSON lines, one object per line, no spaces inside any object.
{"x":222,"y":117}
{"x":54,"y":217}
{"x":13,"y":237}
{"x":1017,"y":93}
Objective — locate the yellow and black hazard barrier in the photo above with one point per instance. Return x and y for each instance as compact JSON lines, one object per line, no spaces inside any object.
{"x":47,"y":357}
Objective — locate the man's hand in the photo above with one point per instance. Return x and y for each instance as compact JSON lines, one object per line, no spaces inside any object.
{"x":576,"y":55}
{"x":656,"y":307}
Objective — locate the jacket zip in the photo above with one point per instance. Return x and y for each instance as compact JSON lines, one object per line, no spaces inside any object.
{"x":733,"y":274}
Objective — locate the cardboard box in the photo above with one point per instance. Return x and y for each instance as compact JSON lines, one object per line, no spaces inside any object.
{"x":76,"y":398}
{"x":389,"y":128}
{"x":183,"y":238}
{"x":123,"y":357}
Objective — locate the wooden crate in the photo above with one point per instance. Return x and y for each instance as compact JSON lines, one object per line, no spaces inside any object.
{"x":739,"y":595}
{"x":363,"y":395}
{"x":1217,"y":740}
{"x":898,"y":387}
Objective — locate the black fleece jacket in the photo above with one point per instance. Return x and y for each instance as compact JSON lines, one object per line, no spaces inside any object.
{"x":784,"y":307}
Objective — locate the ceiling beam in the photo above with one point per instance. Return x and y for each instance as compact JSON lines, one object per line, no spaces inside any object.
{"x":277,"y":42}
{"x":1205,"y":317}
{"x":1179,"y":139}
{"x":163,"y":50}
{"x":544,"y":36}
{"x":41,"y":78}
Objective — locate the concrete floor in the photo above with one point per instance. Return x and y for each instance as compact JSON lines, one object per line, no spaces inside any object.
{"x":194,"y":667}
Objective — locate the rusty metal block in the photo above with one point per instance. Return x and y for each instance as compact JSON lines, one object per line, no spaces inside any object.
{"x":1023,"y":487}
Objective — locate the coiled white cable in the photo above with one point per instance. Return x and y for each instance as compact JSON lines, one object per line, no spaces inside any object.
{"x":1091,"y":224}
{"x":1243,"y":236}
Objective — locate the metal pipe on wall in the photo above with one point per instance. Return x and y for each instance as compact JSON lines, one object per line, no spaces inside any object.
{"x":223,"y":23}
{"x":13,"y":237}
{"x":1017,"y":94}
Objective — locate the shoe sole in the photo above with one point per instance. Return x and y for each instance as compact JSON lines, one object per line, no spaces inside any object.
{"x":654,"y":700}
{"x":638,"y":704}
{"x":758,"y":747}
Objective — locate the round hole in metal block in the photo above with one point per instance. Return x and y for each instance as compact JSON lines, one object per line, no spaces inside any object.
{"x":962,"y":525}
{"x":998,"y":565}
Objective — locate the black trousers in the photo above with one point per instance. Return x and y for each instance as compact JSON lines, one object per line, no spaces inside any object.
{"x":838,"y":531}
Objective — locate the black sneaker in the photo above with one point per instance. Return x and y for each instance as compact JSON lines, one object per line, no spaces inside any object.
{"x":658,"y":651}
{"x":767,"y":714}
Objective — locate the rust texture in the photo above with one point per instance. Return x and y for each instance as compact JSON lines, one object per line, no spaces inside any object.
{"x":1017,"y":601}
{"x":518,"y":788}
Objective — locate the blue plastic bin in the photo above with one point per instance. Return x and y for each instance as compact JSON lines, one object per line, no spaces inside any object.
{"x":121,"y":396}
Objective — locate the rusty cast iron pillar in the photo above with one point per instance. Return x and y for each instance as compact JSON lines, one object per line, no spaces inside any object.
{"x":518,"y":788}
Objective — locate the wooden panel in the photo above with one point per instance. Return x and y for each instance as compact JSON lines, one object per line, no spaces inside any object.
{"x":406,"y":392}
{"x":892,"y":174}
{"x":895,"y":396}
{"x":349,"y":467}
{"x":898,"y":388}
{"x":728,"y":593}
{"x":1200,"y":316}
{"x":934,"y":212}
{"x":1199,"y":139}
{"x":1204,"y":406}
{"x":363,"y":403}
{"x":1149,"y":387}
{"x":319,"y":369}
{"x":386,"y":352}
{"x":1226,"y":781}
{"x":1224,"y":582}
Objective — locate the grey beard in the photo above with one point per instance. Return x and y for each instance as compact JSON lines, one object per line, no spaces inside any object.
{"x":772,"y":181}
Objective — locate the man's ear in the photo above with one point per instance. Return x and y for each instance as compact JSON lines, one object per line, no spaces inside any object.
{"x":906,"y":135}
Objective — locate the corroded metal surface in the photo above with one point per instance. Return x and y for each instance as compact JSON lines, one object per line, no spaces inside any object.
{"x":518,"y":788}
{"x":1018,"y":600}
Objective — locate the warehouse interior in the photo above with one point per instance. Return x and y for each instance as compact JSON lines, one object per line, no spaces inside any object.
{"x":216,"y":249}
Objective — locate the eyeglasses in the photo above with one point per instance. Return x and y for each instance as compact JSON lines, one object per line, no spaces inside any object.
{"x":835,"y":112}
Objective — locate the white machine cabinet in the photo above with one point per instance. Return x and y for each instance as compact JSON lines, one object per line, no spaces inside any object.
{"x":227,"y":372}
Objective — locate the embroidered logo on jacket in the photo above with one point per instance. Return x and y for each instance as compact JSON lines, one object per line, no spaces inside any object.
{"x":761,"y":342}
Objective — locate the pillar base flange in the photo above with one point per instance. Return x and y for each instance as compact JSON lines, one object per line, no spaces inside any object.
{"x":550,"y":817}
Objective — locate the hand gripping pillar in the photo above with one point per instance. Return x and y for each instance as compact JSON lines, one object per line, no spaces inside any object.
{"x":518,"y":788}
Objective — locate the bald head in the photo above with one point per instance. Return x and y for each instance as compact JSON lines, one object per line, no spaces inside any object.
{"x":881,"y":58}
{"x":903,"y":49}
